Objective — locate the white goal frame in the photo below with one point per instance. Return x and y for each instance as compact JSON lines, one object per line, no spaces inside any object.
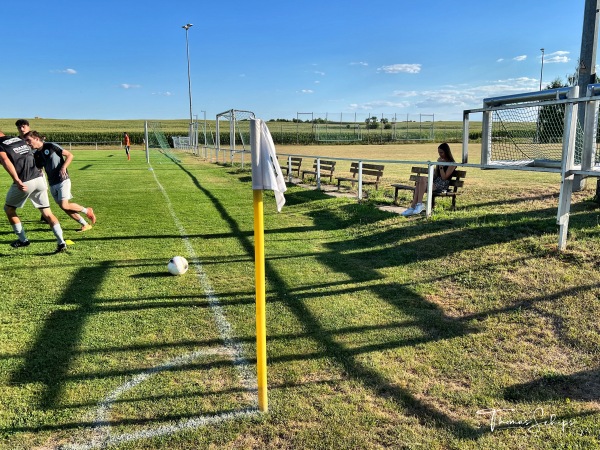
{"x":233,"y":116}
{"x":588,"y":166}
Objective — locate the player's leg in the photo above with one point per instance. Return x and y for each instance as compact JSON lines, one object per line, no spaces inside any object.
{"x":39,"y":198}
{"x":62,"y":195}
{"x":16,"y":198}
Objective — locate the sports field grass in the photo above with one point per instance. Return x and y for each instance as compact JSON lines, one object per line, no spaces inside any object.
{"x":466,"y":331}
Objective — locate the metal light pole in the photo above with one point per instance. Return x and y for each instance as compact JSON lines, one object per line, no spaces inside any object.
{"x":542,"y":69}
{"x":187,"y":47}
{"x":204,"y":127}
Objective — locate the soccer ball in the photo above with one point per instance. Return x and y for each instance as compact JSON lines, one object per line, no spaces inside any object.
{"x":178,"y":265}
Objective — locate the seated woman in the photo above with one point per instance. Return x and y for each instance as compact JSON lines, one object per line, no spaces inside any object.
{"x":441,"y":180}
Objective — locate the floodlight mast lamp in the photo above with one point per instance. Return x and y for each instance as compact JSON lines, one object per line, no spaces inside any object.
{"x":187,"y":48}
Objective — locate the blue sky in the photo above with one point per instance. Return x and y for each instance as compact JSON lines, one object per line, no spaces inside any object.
{"x":127,"y":59}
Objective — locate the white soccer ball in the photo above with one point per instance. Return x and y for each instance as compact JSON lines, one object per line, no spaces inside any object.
{"x":178,"y":265}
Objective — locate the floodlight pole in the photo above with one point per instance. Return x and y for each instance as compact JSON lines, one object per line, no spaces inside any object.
{"x":542,"y":69}
{"x":187,"y":48}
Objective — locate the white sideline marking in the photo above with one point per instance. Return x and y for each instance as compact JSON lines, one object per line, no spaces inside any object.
{"x":102,"y":430}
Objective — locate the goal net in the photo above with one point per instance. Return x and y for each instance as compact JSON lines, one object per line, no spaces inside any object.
{"x":528,"y":130}
{"x":157,"y":139}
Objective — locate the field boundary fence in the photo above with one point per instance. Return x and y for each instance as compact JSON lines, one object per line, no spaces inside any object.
{"x":97,"y":145}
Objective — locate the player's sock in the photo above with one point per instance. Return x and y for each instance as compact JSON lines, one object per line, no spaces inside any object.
{"x":19,"y":231}
{"x":58,"y":232}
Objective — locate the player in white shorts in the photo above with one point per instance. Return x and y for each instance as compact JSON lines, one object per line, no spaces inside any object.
{"x":55,"y":160}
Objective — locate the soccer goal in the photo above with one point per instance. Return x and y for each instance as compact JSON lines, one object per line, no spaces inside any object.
{"x":554,"y":130}
{"x":236,"y":134}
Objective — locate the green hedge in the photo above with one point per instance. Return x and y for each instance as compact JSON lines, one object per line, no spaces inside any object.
{"x":301,"y":138}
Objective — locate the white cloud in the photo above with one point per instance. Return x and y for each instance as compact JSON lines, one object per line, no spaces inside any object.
{"x":500,"y":60}
{"x":317,"y":81}
{"x":320,"y":73}
{"x":400,"y":68}
{"x":360,"y":63}
{"x":520,"y":58}
{"x":557,"y":59}
{"x":67,"y":71}
{"x":164,"y":94}
{"x":559,"y":56}
{"x":307,"y":91}
{"x":378,"y":104}
{"x":405,"y":93}
{"x":130,"y":86}
{"x":455,"y":98}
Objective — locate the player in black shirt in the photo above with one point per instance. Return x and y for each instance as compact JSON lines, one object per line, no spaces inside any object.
{"x":28,"y":183}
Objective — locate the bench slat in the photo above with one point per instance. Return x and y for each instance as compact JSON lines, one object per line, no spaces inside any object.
{"x":369,"y":170}
{"x":326,"y":169}
{"x":295,"y":166}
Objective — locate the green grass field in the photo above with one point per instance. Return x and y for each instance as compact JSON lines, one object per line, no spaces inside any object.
{"x":465,"y":331}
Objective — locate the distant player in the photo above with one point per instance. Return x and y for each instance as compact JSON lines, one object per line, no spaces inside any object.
{"x":126,"y":143}
{"x":28,"y":183}
{"x":55,"y":160}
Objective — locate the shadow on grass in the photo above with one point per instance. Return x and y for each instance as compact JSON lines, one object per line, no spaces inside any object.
{"x":584,"y":386}
{"x":48,"y":360}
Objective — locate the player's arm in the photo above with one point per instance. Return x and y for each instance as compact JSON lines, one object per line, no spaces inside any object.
{"x":68,"y":158}
{"x":10,"y":168}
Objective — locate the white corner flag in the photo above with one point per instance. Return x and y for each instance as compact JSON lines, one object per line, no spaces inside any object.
{"x":266,"y":173}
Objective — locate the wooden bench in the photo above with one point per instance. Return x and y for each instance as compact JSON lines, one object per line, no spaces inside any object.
{"x":326,"y":170}
{"x":296,"y":162}
{"x":373,"y":171}
{"x":456,"y":182}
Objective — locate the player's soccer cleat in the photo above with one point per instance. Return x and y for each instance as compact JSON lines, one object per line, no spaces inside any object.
{"x":61,"y":248}
{"x":18,"y":243}
{"x":85,"y":227}
{"x":91,"y":215}
{"x":42,"y":219}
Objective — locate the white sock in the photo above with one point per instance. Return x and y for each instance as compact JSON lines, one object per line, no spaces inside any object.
{"x":57,"y":230}
{"x":19,"y":231}
{"x":84,"y":210}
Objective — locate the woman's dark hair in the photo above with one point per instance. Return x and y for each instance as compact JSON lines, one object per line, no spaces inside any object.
{"x":446,"y":149}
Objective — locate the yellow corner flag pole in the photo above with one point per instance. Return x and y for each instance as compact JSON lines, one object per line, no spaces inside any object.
{"x":261,"y":322}
{"x":259,"y":262}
